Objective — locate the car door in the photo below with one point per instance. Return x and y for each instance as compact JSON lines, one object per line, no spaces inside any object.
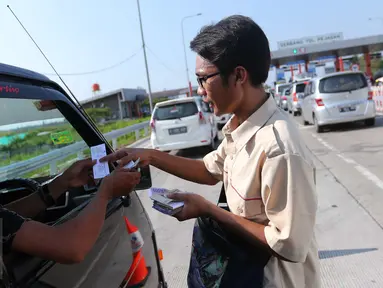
{"x":42,"y":124}
{"x":305,"y":101}
{"x":209,"y":114}
{"x":311,"y":104}
{"x":287,"y":94}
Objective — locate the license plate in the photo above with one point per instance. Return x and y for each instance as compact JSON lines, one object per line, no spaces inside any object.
{"x":179,"y":130}
{"x":347,"y":109}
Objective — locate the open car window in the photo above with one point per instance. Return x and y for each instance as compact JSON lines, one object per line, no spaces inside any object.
{"x":36,"y":140}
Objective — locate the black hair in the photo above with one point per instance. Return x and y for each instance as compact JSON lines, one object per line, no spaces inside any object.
{"x":235,"y":41}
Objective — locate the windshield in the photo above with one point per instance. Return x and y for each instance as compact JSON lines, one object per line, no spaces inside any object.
{"x":300,"y":88}
{"x":175,"y":111}
{"x":36,"y":128}
{"x":342,"y":83}
{"x":282,"y":87}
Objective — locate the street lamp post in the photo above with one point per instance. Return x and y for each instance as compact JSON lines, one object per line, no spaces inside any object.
{"x":146,"y":60}
{"x":183,"y":42}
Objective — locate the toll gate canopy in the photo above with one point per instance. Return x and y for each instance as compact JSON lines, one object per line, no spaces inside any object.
{"x":341,"y":48}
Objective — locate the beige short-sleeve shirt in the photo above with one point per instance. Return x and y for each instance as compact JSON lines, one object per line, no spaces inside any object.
{"x":269,"y":178}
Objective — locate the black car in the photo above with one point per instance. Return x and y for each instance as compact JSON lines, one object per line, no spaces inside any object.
{"x":39,"y":120}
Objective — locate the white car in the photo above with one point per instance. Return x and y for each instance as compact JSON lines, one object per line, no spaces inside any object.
{"x":183,"y":123}
{"x":338,"y":98}
{"x":222,"y":120}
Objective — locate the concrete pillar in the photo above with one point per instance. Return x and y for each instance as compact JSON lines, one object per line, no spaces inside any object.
{"x":337,"y":64}
{"x":367,"y":61}
{"x":341,"y":66}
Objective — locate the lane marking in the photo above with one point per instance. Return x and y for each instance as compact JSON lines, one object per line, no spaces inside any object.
{"x":361,"y":169}
{"x":324,"y":143}
{"x":345,"y":159}
{"x":372,"y":177}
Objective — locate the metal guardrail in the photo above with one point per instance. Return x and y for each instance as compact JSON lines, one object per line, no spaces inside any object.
{"x":21,"y":168}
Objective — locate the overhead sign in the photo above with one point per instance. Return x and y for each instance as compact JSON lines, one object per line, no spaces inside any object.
{"x":312,"y":40}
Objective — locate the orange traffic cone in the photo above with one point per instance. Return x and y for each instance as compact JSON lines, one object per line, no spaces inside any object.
{"x":138,"y":272}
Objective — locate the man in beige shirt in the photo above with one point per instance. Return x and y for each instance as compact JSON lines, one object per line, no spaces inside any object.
{"x":266,"y":168}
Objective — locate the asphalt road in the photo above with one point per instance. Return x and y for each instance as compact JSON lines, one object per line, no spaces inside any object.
{"x":349,"y":230}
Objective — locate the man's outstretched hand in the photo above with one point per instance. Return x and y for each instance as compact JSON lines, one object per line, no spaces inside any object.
{"x":125,"y":155}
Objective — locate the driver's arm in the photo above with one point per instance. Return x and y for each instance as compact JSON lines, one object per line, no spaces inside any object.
{"x":69,"y":242}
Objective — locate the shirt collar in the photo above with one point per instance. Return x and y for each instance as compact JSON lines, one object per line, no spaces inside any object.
{"x":242,"y":134}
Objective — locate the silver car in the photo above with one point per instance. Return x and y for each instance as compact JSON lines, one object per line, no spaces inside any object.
{"x":279,"y":88}
{"x":338,"y":98}
{"x":284,"y":98}
{"x":294,"y":101}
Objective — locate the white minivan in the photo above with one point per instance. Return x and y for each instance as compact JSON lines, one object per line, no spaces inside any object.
{"x":183,"y":123}
{"x":338,"y":98}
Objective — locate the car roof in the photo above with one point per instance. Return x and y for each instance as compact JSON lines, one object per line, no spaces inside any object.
{"x":6,"y":69}
{"x":298,"y":82}
{"x":178,"y":100}
{"x":338,"y":73}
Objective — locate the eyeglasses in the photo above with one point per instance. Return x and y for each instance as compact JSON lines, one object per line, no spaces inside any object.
{"x":203,"y":79}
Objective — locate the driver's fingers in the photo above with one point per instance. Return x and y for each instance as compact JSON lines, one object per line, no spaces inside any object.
{"x":125,"y":160}
{"x":114,"y":156}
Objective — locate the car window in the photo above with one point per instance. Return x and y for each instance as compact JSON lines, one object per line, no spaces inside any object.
{"x":300,"y":88}
{"x":286,"y":92}
{"x":36,"y":128}
{"x":204,"y":106}
{"x":342,"y":83}
{"x":175,"y":111}
{"x":282,"y":87}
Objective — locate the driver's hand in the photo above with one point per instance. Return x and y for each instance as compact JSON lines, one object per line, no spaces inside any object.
{"x":79,"y":173}
{"x":120,"y":182}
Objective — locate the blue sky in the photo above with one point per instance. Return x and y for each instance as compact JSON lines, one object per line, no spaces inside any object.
{"x":83,"y":35}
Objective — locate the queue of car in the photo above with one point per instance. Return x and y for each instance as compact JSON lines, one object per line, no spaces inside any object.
{"x":334,"y":98}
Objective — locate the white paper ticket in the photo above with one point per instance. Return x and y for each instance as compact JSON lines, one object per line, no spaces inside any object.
{"x":100,"y":170}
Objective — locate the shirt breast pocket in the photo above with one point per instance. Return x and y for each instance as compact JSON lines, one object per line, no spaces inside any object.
{"x":245,"y":191}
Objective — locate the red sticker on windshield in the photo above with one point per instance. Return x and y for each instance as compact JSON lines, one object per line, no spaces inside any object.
{"x":9,"y":89}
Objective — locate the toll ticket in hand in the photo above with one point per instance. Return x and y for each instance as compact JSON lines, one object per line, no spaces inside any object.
{"x":164,"y":204}
{"x":132,"y":165}
{"x":100,"y":170}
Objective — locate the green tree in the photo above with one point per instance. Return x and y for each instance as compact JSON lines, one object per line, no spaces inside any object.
{"x":98,"y":113}
{"x":355,"y":59}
